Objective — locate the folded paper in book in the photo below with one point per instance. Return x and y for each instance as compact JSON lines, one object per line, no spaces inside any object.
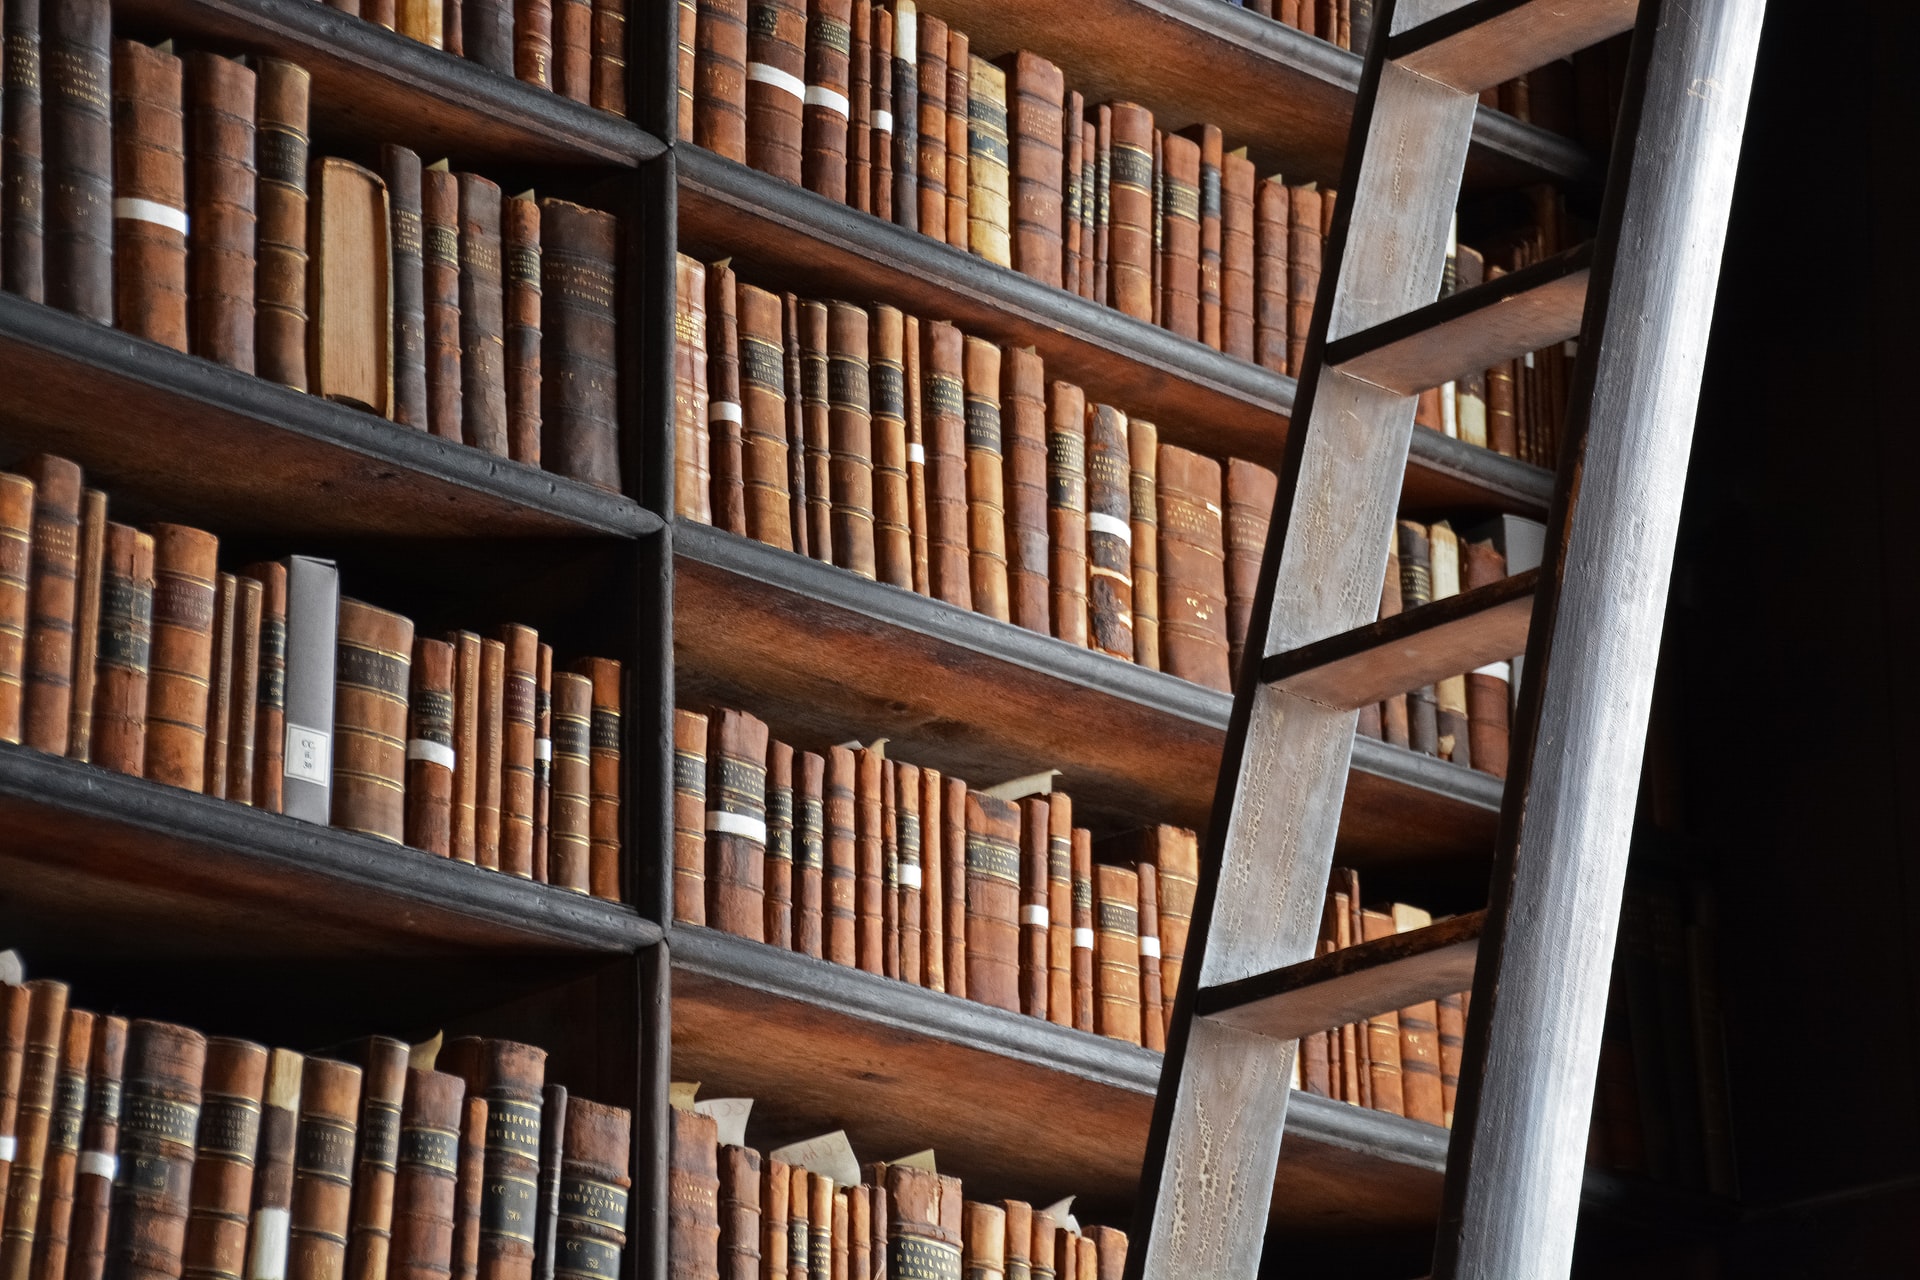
{"x":730,"y":1115}
{"x":918,"y":1160}
{"x":829,"y":1155}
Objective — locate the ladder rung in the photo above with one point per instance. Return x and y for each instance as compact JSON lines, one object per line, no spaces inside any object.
{"x":1489,"y":42}
{"x":1410,"y":649}
{"x":1351,"y":984}
{"x":1472,"y":330}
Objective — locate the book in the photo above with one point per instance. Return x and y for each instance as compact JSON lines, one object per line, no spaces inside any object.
{"x":1272,"y":273}
{"x":880,"y":112}
{"x":1024,"y":428}
{"x":693,"y":1197}
{"x":440,"y":219}
{"x":726,"y":503}
{"x":1067,"y":512}
{"x":181,"y":658}
{"x":150,"y":195}
{"x":810,"y":423}
{"x":763,"y":403}
{"x":1153,"y":1013}
{"x":1096,"y":139}
{"x":826,"y":112}
{"x":591,"y":1233}
{"x":1175,"y":854}
{"x":270,"y":711}
{"x":323,"y":1170}
{"x":776,"y":86}
{"x":15,"y":1007}
{"x":313,"y":607}
{"x":543,"y":764}
{"x":924,"y":1222}
{"x":1416,"y":589}
{"x":989,"y":182}
{"x":464,"y":837}
{"x":16,"y":578}
{"x":1488,"y":691}
{"x":610,"y":56}
{"x":46,"y":1022}
{"x":1394,"y":721}
{"x":893,"y":509}
{"x":99,"y":1148}
{"x":533,"y":41}
{"x":782,"y":841}
{"x":573,"y":49}
{"x":225,"y":1157}
{"x":1180,"y":236}
{"x":77,"y":144}
{"x":569,"y":829}
{"x":959,"y":145}
{"x":1211,"y":144}
{"x":691,"y":465}
{"x":906,"y":114}
{"x":579,"y":374}
{"x":491,"y":724}
{"x":222,"y":187}
{"x":423,"y":1181}
{"x":993,"y":901}
{"x":47,"y":695}
{"x":147,"y":1219}
{"x":243,"y":737}
{"x":1450,"y":693}
{"x":1036,"y":99}
{"x":1109,"y":533}
{"x":917,"y":508}
{"x":984,"y":1239}
{"x":486,"y":33}
{"x":928,"y":168}
{"x":1420,"y":1065}
{"x":1060,"y":909}
{"x":469,"y":1189}
{"x":483,"y":373}
{"x":1251,"y":491}
{"x":1130,"y":188}
{"x":736,"y":822}
{"x":1143,"y":511}
{"x":349,"y":335}
{"x":517,"y":750}
{"x":910,"y":897}
{"x":946,"y":432}
{"x":372,"y":673}
{"x":605,"y":776}
{"x":810,"y":854}
{"x":775,"y":1196}
{"x":689,"y":814}
{"x":986,"y":482}
{"x":869,"y":861}
{"x":429,"y":748}
{"x":1383,"y":1032}
{"x":1116,"y":946}
{"x":509,"y":1076}
{"x":1035,"y":843}
{"x":220,"y":687}
{"x":520,"y":248}
{"x":850,"y":436}
{"x":839,"y":897}
{"x":23,"y":220}
{"x":554,"y":1107}
{"x":933,"y":882}
{"x":280,"y":246}
{"x":1237,"y":262}
{"x":720,"y":79}
{"x":1158,"y":260}
{"x":1304,"y":241}
{"x":1193,"y":583}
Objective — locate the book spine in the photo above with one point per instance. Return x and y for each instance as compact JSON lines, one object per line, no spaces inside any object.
{"x":150,"y":195}
{"x":869,"y":861}
{"x":959,"y":153}
{"x":821,"y":1235}
{"x":931,"y":159}
{"x":892,"y":502}
{"x":430,"y":756}
{"x":992,"y":880}
{"x":1450,"y":693}
{"x":986,"y":481}
{"x":270,"y":716}
{"x":1019,"y":1240}
{"x":984,"y":1242}
{"x":1116,"y":932}
{"x":1416,"y":589}
{"x":223,"y":193}
{"x":776,"y":86}
{"x":572,"y":49}
{"x":427,"y":1162}
{"x":776,"y":1192}
{"x":1036,"y":94}
{"x":38,"y":1089}
{"x":372,"y":671}
{"x":510,"y":1077}
{"x":1177,"y":874}
{"x":1130,"y":187}
{"x":60,"y":1167}
{"x":148,"y":1215}
{"x":689,"y":815}
{"x":553,"y":1114}
{"x":225,"y":1159}
{"x":881,"y":113}
{"x":181,"y":659}
{"x":1081,"y":862}
{"x":533,"y":41}
{"x":313,"y":610}
{"x":1024,"y":446}
{"x":1180,"y":235}
{"x":810,"y":854}
{"x":1237,"y":257}
{"x":464,"y":833}
{"x":610,"y":55}
{"x":736,"y":822}
{"x":1251,"y":492}
{"x":280,"y":282}
{"x":1109,"y":533}
{"x":906,"y":114}
{"x":720,"y":79}
{"x":691,"y":465}
{"x":1304,"y":240}
{"x":226,"y":599}
{"x":1193,"y":569}
{"x":468,"y":1189}
{"x":989,"y":181}
{"x":520,"y":243}
{"x":543,"y":764}
{"x":99,"y":1149}
{"x":1487,"y":688}
{"x":1096,"y":206}
{"x":810,"y":424}
{"x":483,"y":373}
{"x":826,"y":111}
{"x":763,"y":402}
{"x":916,"y":405}
{"x":1067,"y":512}
{"x":15,"y":1008}
{"x":1060,"y":909}
{"x":850,"y":435}
{"x":487,"y":33}
{"x":117,"y":734}
{"x":579,"y":375}
{"x":840,"y":893}
{"x":933,"y":882}
{"x":318,"y":1221}
{"x":519,"y":692}
{"x":693,"y":1198}
{"x":1159,"y":225}
{"x":1393,"y":710}
{"x":605,"y":741}
{"x":244,"y":682}
{"x":1143,"y":508}
{"x":47,"y":702}
{"x":1273,"y":214}
{"x":860,"y":107}
{"x":16,"y":577}
{"x":1035,"y":828}
{"x":492,"y":730}
{"x":76,"y":122}
{"x":1153,"y":1018}
{"x":909,"y":879}
{"x":1383,"y":1033}
{"x":780,"y":846}
{"x":272,"y":1192}
{"x":569,"y":831}
{"x":1212,"y":235}
{"x":376,"y":1159}
{"x":22,"y":214}
{"x":739,"y":1213}
{"x":946,"y":429}
{"x":440,"y":220}
{"x":726,"y":501}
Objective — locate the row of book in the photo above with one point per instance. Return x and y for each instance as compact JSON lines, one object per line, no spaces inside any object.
{"x":193,"y":216}
{"x":148,"y":1149}
{"x":940,"y":463}
{"x":133,"y":650}
{"x":881,"y":865}
{"x":576,"y":48}
{"x":735,"y":1213}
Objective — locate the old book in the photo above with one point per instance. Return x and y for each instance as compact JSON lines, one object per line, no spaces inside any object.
{"x":1237,"y":265}
{"x":1035,"y":833}
{"x":776,"y":86}
{"x":1488,"y":687}
{"x":1272,"y":269}
{"x":225,"y":1158}
{"x":486,"y":33}
{"x":149,"y":194}
{"x":281,"y":244}
{"x":15,"y":1009}
{"x":77,"y":144}
{"x":689,"y":813}
{"x":99,"y":1147}
{"x":1420,"y":1090}
{"x":605,"y":742}
{"x":1176,"y":863}
{"x":984,"y":1241}
{"x":579,"y":378}
{"x":440,"y":220}
{"x":1116,"y":953}
{"x":1059,"y":909}
{"x":483,"y":371}
{"x":1393,"y":710}
{"x":1450,"y":694}
{"x":924,"y":1223}
{"x":1023,"y":426}
{"x":1153,"y":1016}
{"x":595,"y":1189}
{"x":610,"y":55}
{"x":464,"y":839}
{"x":993,"y":901}
{"x":947,"y":429}
{"x":986,"y":482}
{"x":313,"y":607}
{"x":989,"y":183}
{"x":323,"y":1170}
{"x":1096,"y":137}
{"x":1036,"y":102}
{"x":1143,"y":503}
{"x":1416,"y":589}
{"x":53,"y":584}
{"x":726,"y":503}
{"x":1383,"y":1033}
{"x":1212,"y":230}
{"x":533,"y":41}
{"x":1067,"y":512}
{"x":16,"y":577}
{"x":1347,"y":1044}
{"x":1159,"y":225}
{"x":519,"y":686}
{"x":270,"y":712}
{"x":181,"y":664}
{"x":740,"y":1179}
{"x":220,"y":687}
{"x":720,"y":79}
{"x":880,"y":110}
{"x":906,"y":113}
{"x":892,"y":506}
{"x":954,"y":845}
{"x":691,"y":464}
{"x":33,"y":1122}
{"x":782,"y":839}
{"x":929,"y":163}
{"x":1250,"y":492}
{"x":520,"y":250}
{"x":959,"y":145}
{"x":349,"y":336}
{"x":933,"y":883}
{"x":839,"y":898}
{"x":1130,"y":239}
{"x":429,"y":748}
{"x":570,"y":824}
{"x":1180,"y":238}
{"x":687,"y":13}
{"x":810,"y":423}
{"x":148,"y":1217}
{"x":1304,"y":240}
{"x":553,"y":1120}
{"x":828,"y":1228}
{"x":469,"y":1187}
{"x":509,"y":1076}
{"x":423,"y":1182}
{"x":763,"y":394}
{"x":917,"y":510}
{"x":799,"y":1224}
{"x":573,"y":49}
{"x":826,"y":112}
{"x":422,"y":20}
{"x":905,"y":892}
{"x":543,"y":764}
{"x":244,"y":682}
{"x":1110,"y":593}
{"x":372,"y":675}
{"x":693,"y":1197}
{"x":809,"y":854}
{"x":736,"y":823}
{"x":850,"y":435}
{"x":869,"y":861}
{"x":22,"y":212}
{"x":1193,"y":570}
{"x":775,"y":1195}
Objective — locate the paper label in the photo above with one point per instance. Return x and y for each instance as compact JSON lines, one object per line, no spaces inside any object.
{"x":1150,"y":946}
{"x":910,"y":876}
{"x":13,"y":969}
{"x":1034,"y":784}
{"x":883,"y":121}
{"x":309,"y":754}
{"x":1083,"y":938}
{"x":97,"y":1163}
{"x":1035,"y":914}
{"x":737,"y":824}
{"x":543,"y":750}
{"x":267,"y":1259}
{"x":7,"y":1145}
{"x":917,"y":453}
{"x":1498,"y":670}
{"x":723,"y":411}
{"x":785,"y":81}
{"x":431,"y":752}
{"x":918,"y":1160}
{"x":681,"y":1093}
{"x":1061,"y":1212}
{"x":136,"y":210}
{"x":821,"y":96}
{"x":731,"y":1115}
{"x":1112,"y":526}
{"x":830,"y":1155}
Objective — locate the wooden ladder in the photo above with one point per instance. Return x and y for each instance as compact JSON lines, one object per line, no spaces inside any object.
{"x":1640,"y":301}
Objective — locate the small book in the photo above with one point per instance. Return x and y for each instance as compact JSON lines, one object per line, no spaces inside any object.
{"x":826,"y":112}
{"x":1273,"y":240}
{"x":1251,"y":490}
{"x":610,"y":56}
{"x":430,"y":756}
{"x":150,"y":195}
{"x":809,"y":854}
{"x":850,"y":436}
{"x":1143,"y":504}
{"x":929,"y":164}
{"x":579,"y":337}
{"x":440,"y":273}
{"x":739,"y":1199}
{"x":986,"y":482}
{"x":720,"y":79}
{"x":1109,"y":533}
{"x":1130,"y":201}
{"x":181,"y":662}
{"x":1036,"y":100}
{"x":469,"y":1186}
{"x":281,"y":248}
{"x":736,"y":823}
{"x":893,"y":522}
{"x":776,"y":87}
{"x":989,"y":184}
{"x":1116,"y":953}
{"x":226,"y":1154}
{"x":519,"y":692}
{"x":422,"y":20}
{"x":1180,"y":235}
{"x":1193,"y":580}
{"x":313,"y":608}
{"x":372,"y":674}
{"x":164,"y":1069}
{"x":270,"y":711}
{"x":763,"y":406}
{"x":840,"y":891}
{"x":1067,"y":512}
{"x":693,"y":1196}
{"x":1035,"y":838}
{"x":570,"y":821}
{"x":691,"y":466}
{"x":605,"y":744}
{"x":689,"y":814}
{"x":809,"y":425}
{"x":1023,"y":444}
{"x":77,"y":140}
{"x":99,"y":1146}
{"x":944,"y":423}
{"x":52,"y":601}
{"x":782,"y":840}
{"x":1304,"y":240}
{"x":1237,"y":260}
{"x":520,"y":245}
{"x":993,"y":901}
{"x":426,"y":1164}
{"x":350,"y":334}
{"x":869,"y":860}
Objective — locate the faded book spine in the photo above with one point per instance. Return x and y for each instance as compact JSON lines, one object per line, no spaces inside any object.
{"x":280,"y":283}
{"x":150,"y":195}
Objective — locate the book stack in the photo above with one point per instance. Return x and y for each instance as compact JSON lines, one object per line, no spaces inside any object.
{"x":233,"y":1158}
{"x":741,"y":1214}
{"x":576,"y":48}
{"x":193,"y":217}
{"x":846,"y":854}
{"x":916,"y":455}
{"x":132,"y":650}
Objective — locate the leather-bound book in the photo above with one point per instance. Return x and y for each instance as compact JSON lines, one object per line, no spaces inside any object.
{"x":509,"y":1076}
{"x":1176,"y":862}
{"x":984,"y":1241}
{"x":280,"y":282}
{"x":225,"y":1158}
{"x":573,"y":49}
{"x":1237,"y":260}
{"x":1096,"y":210}
{"x":1393,"y":710}
{"x":38,"y":1089}
{"x":270,"y":682}
{"x":954,"y":828}
{"x":993,"y":901}
{"x":776,"y":85}
{"x":880,"y":113}
{"x":533,"y":41}
{"x":799,"y":1225}
{"x":947,"y":431}
{"x":99,"y":1147}
{"x":483,"y":368}
{"x":491,"y":723}
{"x":693,"y":1197}
{"x":860,"y":106}
{"x":892,"y":505}
{"x":827,"y":1228}
{"x":809,"y":854}
{"x":689,"y":811}
{"x":807,"y":363}
{"x":959,"y":146}
{"x":16,"y":577}
{"x":1035,"y":829}
{"x":740,"y":1178}
{"x":840,"y":890}
{"x":1023,"y":430}
{"x":423,"y":1180}
{"x":220,"y":688}
{"x":520,"y":247}
{"x":1251,"y":490}
{"x":1502,"y":425}
{"x":1043,"y":1247}
{"x":147,"y":1222}
{"x":570,"y":824}
{"x":53,"y":583}
{"x":1316,"y":1060}
{"x":933,"y":883}
{"x":850,"y":433}
{"x":244,"y":683}
{"x":76,"y":66}
{"x":1112,"y":1247}
{"x":1180,"y":238}
{"x":579,"y":378}
{"x":1130,"y":197}
{"x":726,"y":504}
{"x":610,"y":55}
{"x":1470,"y":393}
{"x":422,"y":20}
{"x":469,"y":1189}
{"x":1193,"y":570}
{"x":720,"y":79}
{"x":869,"y":861}
{"x":1451,"y":1035}
{"x":181,"y":665}
{"x":782,"y":839}
{"x":1075,"y":192}
{"x":543,"y":764}
{"x":486,"y":33}
{"x":1159,"y":225}
{"x":736,"y":823}
{"x":372,"y":670}
{"x":518,"y":692}
{"x":1153,"y":996}
{"x":826,"y":111}
{"x":594,"y":1191}
{"x":1109,"y":533}
{"x":1416,"y":589}
{"x":430,"y":757}
{"x":1116,"y":951}
{"x":15,"y":1008}
{"x":1383,"y":1033}
{"x":464,"y":836}
{"x":1450,"y":693}
{"x":150,"y":195}
{"x":1036,"y":101}
{"x":605,"y":742}
{"x":1019,"y":1239}
{"x":924,"y":1223}
{"x":1487,"y":688}
{"x":910,"y":907}
{"x":553,"y":1132}
{"x":775,"y":1195}
{"x":1304,"y":240}
{"x":1059,"y":903}
{"x":989,"y":181}
{"x":222,"y":188}
{"x":323,"y":1170}
{"x":917,"y":517}
{"x":986,"y":482}
{"x":763,"y":393}
{"x":349,"y":334}
{"x":1273,"y":256}
{"x":1067,"y":511}
{"x":930,"y":160}
{"x":440,"y":220}
{"x":687,"y":14}
{"x":1143,"y":503}
{"x":22,"y":219}
{"x":59,"y":1168}
{"x":89,"y":568}
{"x":1347,"y":1043}
{"x":1419,"y":1039}
{"x":1212,"y":232}
{"x":691,"y":464}
{"x":906,"y":114}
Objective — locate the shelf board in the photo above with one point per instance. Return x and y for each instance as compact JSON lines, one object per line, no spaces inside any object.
{"x":145,"y":420}
{"x":989,"y":701}
{"x":373,"y":85}
{"x":122,"y":866}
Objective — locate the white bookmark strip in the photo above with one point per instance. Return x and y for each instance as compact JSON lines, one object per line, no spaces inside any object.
{"x":1035,"y":913}
{"x":1100,"y":522}
{"x":98,"y":1163}
{"x":819,"y":95}
{"x":1083,"y":938}
{"x":737,"y":824}
{"x":723,"y":411}
{"x":1150,"y":946}
{"x":917,"y":453}
{"x":910,"y":877}
{"x":883,"y":121}
{"x":784,"y":81}
{"x":161,"y":215}
{"x":1498,"y":670}
{"x":431,"y":752}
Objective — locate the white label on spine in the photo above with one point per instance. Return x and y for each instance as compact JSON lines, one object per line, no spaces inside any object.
{"x":6,"y":1149}
{"x":1498,"y":670}
{"x":784,"y":81}
{"x":100,"y":1164}
{"x":1083,"y":938}
{"x":906,"y":33}
{"x":543,"y":750}
{"x":818,"y":95}
{"x":135,"y":209}
{"x":917,"y":453}
{"x":737,"y":824}
{"x":1035,"y":914}
{"x":883,"y":121}
{"x":909,"y":875}
{"x":1149,"y":946}
{"x":723,"y":411}
{"x":268,"y":1258}
{"x":1100,"y":522}
{"x":309,"y":754}
{"x":431,"y":752}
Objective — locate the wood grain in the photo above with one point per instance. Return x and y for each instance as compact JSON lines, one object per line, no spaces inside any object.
{"x":1479,"y":45}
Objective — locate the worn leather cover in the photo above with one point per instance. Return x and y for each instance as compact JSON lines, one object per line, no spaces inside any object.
{"x":763,"y":403}
{"x":99,"y":1143}
{"x":468,"y":1189}
{"x":776,"y":1190}
{"x":243,"y":682}
{"x":487,"y":33}
{"x":929,"y":171}
{"x":181,"y":666}
{"x":518,"y":691}
{"x":691,"y":464}
{"x":533,"y":42}
{"x":52,"y":601}
{"x":270,"y":685}
{"x":148,"y":1218}
{"x":520,"y":245}
{"x":850,"y":435}
{"x":323,"y":1170}
{"x":810,"y":423}
{"x":944,"y":423}
{"x":810,"y":853}
{"x":430,"y":749}
{"x":1488,"y":692}
{"x":579,"y":378}
{"x":610,"y":55}
{"x":986,"y":482}
{"x":150,"y":195}
{"x":869,"y":861}
{"x":1416,"y":589}
{"x":1383,"y":1033}
{"x":840,"y":898}
{"x":1251,"y":490}
{"x":924,"y":1224}
{"x":483,"y":366}
{"x":16,"y":576}
{"x":570,"y":824}
{"x":933,"y":883}
{"x":1304,"y":240}
{"x":1116,"y":950}
{"x":989,"y":180}
{"x":880,"y":113}
{"x":36,"y":1124}
{"x":220,"y":689}
{"x":349,"y":289}
{"x":1059,"y":904}
{"x":993,"y":901}
{"x":720,"y":79}
{"x":280,"y":283}
{"x":693,"y":1197}
{"x":1036,"y":99}
{"x":860,"y":107}
{"x":1272,"y":270}
{"x":1110,"y":592}
{"x":440,"y":219}
{"x":1035,"y":833}
{"x":739,"y":1213}
{"x":423,"y":1181}
{"x":776,"y":85}
{"x":1143,"y":461}
{"x":1130,"y":205}
{"x":595,"y":1191}
{"x":509,"y":1076}
{"x":466,"y":745}
{"x":225,"y":1157}
{"x":908,"y":889}
{"x":781,"y":842}
{"x":1208,"y":139}
{"x":573,"y":49}
{"x":1180,"y":238}
{"x":726,"y":502}
{"x":916,"y":407}
{"x":954,"y":827}
{"x":984,"y":1241}
{"x":1421,"y":1094}
{"x":543,"y":765}
{"x":22,"y":212}
{"x":491,"y":724}
{"x":1193,"y":570}
{"x":1237,"y":185}
{"x":826,"y":111}
{"x":1023,"y":443}
{"x":892,"y":502}
{"x":605,"y":743}
{"x":689,"y":812}
{"x":1067,"y":512}
{"x":906,"y":114}
{"x":736,"y":822}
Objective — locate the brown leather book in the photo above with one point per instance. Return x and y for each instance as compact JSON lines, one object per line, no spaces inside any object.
{"x":1110,"y":593}
{"x":486,"y":33}
{"x":1304,"y":239}
{"x":1317,"y":1060}
{"x":850,"y":435}
{"x":181,"y":666}
{"x":1096,"y":210}
{"x":150,"y":195}
{"x":429,"y":749}
{"x":776,"y":86}
{"x":225,"y":1158}
{"x":467,"y":651}
{"x":77,"y":141}
{"x":89,"y":568}
{"x":993,"y":901}
{"x":423,"y":1181}
{"x":1130,"y":202}
{"x":573,"y":49}
{"x":840,"y":890}
{"x":1393,"y":710}
{"x":986,"y":481}
{"x":947,"y":430}
{"x":15,"y":1007}
{"x":148,"y":1217}
{"x":280,"y":248}
{"x":1116,"y":953}
{"x":736,"y":822}
{"x":220,"y":687}
{"x":905,"y":137}
{"x":1383,"y":1033}
{"x":880,"y":112}
{"x":270,"y":684}
{"x":1019,"y":1239}
{"x":533,"y":42}
{"x":610,"y":55}
{"x":1023,"y":429}
{"x":909,"y":877}
{"x":1143,"y":461}
{"x":809,"y":854}
{"x":605,"y":742}
{"x":781,"y":842}
{"x":924,"y":1223}
{"x":693,"y":1197}
{"x":689,"y":812}
{"x":1035,"y":831}
{"x":52,"y":600}
{"x":954,"y":880}
{"x":520,"y":245}
{"x":984,"y":1241}
{"x":1175,"y":854}
{"x":688,"y":14}
{"x":1420,"y":1089}
{"x":691,"y":463}
{"x":543,"y":764}
{"x":372,"y":670}
{"x":824,"y":1235}
{"x":933,"y":882}
{"x":1451,"y":1036}
{"x":1043,"y":1247}
{"x":1416,"y":589}
{"x":775,"y":1194}
{"x":509,"y":1077}
{"x":491,"y":726}
{"x":1272,"y":269}
{"x":929,"y":165}
{"x":890,"y":871}
{"x":518,"y":693}
{"x":16,"y":576}
{"x":892,"y":505}
{"x":1237,"y":270}
{"x":50,"y":1236}
{"x":570,"y":824}
{"x":440,"y":220}
{"x":1153,"y":1016}
{"x":1251,"y":490}
{"x":579,"y":378}
{"x":1112,"y":1246}
{"x":1159,"y":225}
{"x":826,"y":112}
{"x":720,"y":79}
{"x":23,"y":220}
{"x":989,"y":180}
{"x":1059,"y":909}
{"x":869,"y":861}
{"x":469,"y":1189}
{"x":809,"y":426}
{"x":1450,"y":693}
{"x":763,"y":394}
{"x":1076,"y":193}
{"x":1346,"y":1044}
{"x":323,"y":1170}
{"x":1193,"y":570}
{"x":1180,"y":238}
{"x":1067,"y":511}
{"x":1036,"y":101}
{"x":594,"y":1191}
{"x":99,"y":1144}
{"x":383,"y":1063}
{"x":726,"y":504}
{"x":1488,"y":690}
{"x":739,"y":1201}
{"x":483,"y":372}
{"x":959,"y":145}
{"x":799,"y":1225}
{"x":917,"y":514}
{"x":860,"y":107}
{"x":243,"y":682}
{"x":272,"y":1191}
{"x":1212,"y":232}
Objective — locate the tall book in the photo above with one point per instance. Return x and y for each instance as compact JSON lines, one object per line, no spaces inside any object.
{"x":1488,"y":687}
{"x":509,"y":1077}
{"x":486,"y":33}
{"x":22,"y":212}
{"x":225,"y":1157}
{"x":986,"y":482}
{"x":99,"y":1150}
{"x":270,"y":711}
{"x":850,"y":433}
{"x":16,"y":1004}
{"x":33,"y":1122}
{"x":77,"y":138}
{"x":464,"y":837}
{"x":148,"y":1216}
{"x":605,"y":775}
{"x":928,"y":165}
{"x":579,"y":372}
{"x":440,"y":274}
{"x":909,"y":905}
{"x":989,"y":182}
{"x":1036,"y":101}
{"x":1393,"y":710}
{"x":691,"y":467}
{"x":220,"y":688}
{"x":840,"y":893}
{"x":924,"y":1224}
{"x":1109,"y":533}
{"x":487,"y":772}
{"x":1060,"y":909}
{"x":1116,"y":953}
{"x":1272,"y":268}
{"x":520,"y":269}
{"x":726,"y":501}
{"x":1180,"y":237}
{"x":533,"y":41}
{"x":933,"y":882}
{"x":689,"y":816}
{"x":280,"y":281}
{"x":959,"y":137}
{"x":181,"y":663}
{"x":720,"y":79}
{"x":16,"y":584}
{"x":1237,"y":264}
{"x":906,"y":113}
{"x":1143,"y":509}
{"x":869,"y":861}
{"x":1383,"y":1033}
{"x":736,"y":822}
{"x":483,"y":371}
{"x":1067,"y":511}
{"x":406,"y":235}
{"x":809,"y":425}
{"x":946,"y":429}
{"x":469,"y":1189}
{"x":323,"y":1170}
{"x":916,"y":408}
{"x":1035,"y":832}
{"x":693,"y":1196}
{"x":313,"y":611}
{"x":809,"y":854}
{"x":776,"y":88}
{"x":1250,"y":494}
{"x":383,"y":1065}
{"x":1419,"y":1039}
{"x":52,"y":601}
{"x":570,"y":826}
{"x":519,"y":691}
{"x":763,"y":402}
{"x":880,"y":113}
{"x":1074,"y":194}
{"x":89,"y":567}
{"x":430,"y":758}
{"x":1207,"y":138}
{"x":424,"y":1172}
{"x":1304,"y":242}
{"x":543,"y":765}
{"x":243,"y":734}
{"x":1416,"y":589}
{"x":594,"y":1191}
{"x":150,"y":195}
{"x":1450,"y":693}
{"x":1130,"y":238}
{"x":826,"y":112}
{"x":1023,"y":444}
{"x":610,"y":56}
{"x":776,"y":1193}
{"x":954,"y":846}
{"x":223,"y":195}
{"x":782,"y":843}
{"x":893,"y":521}
{"x":993,"y":901}
{"x":1193,"y":585}
{"x":1153,"y":1025}
{"x":372,"y":674}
